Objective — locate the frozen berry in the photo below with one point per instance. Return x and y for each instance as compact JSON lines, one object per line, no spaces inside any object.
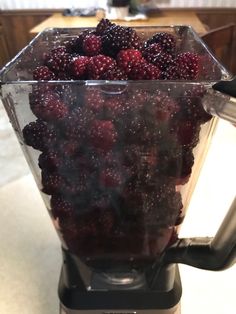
{"x":49,"y":107}
{"x":42,"y":73}
{"x":92,"y":45}
{"x":145,"y":71}
{"x":61,"y":207}
{"x":98,"y":65}
{"x":94,"y":99}
{"x":39,"y":135}
{"x":184,"y":67}
{"x":78,"y":67}
{"x":102,"y":134}
{"x":166,"y":40}
{"x":116,"y":38}
{"x":103,"y":25}
{"x":127,"y":59}
{"x":50,"y":160}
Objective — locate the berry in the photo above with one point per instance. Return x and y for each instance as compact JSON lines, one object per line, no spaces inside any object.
{"x":49,"y":107}
{"x":127,"y":59}
{"x":111,"y":178}
{"x":187,"y":132}
{"x":166,"y":40}
{"x":94,"y":100}
{"x":102,"y":26}
{"x":116,"y":38}
{"x":72,"y":45}
{"x":39,"y":135}
{"x":102,"y":134}
{"x":165,"y":107}
{"x":184,"y":67}
{"x":59,"y":62}
{"x":69,"y":147}
{"x":50,"y":161}
{"x":98,"y":65}
{"x":144,"y":71}
{"x":114,"y":105}
{"x":115,"y":74}
{"x":162,"y":60}
{"x":152,"y":49}
{"x":42,"y":73}
{"x":92,"y":45}
{"x":78,"y":67}
{"x":52,"y":182}
{"x":61,"y":207}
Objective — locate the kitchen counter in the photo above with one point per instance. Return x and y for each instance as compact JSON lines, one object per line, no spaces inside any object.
{"x":30,"y":257}
{"x":165,"y":18}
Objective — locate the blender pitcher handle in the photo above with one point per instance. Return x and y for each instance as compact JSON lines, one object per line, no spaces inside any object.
{"x":220,"y":100}
{"x":217,"y":253}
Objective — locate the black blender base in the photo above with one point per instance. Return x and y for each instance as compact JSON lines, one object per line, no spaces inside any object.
{"x":173,"y":310}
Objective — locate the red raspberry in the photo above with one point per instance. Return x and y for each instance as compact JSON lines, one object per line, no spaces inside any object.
{"x":49,"y":107}
{"x":102,"y":134}
{"x":78,"y":67}
{"x":92,"y":45}
{"x":61,"y":207}
{"x":39,"y":135}
{"x":127,"y":59}
{"x":145,"y":71}
{"x":98,"y":65}
{"x":166,"y":40}
{"x":42,"y":73}
{"x":184,"y":67}
{"x":94,"y":99}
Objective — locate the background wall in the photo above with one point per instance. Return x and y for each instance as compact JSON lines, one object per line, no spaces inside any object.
{"x":50,"y":4}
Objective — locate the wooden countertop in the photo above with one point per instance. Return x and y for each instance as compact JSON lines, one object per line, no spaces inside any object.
{"x":164,"y":19}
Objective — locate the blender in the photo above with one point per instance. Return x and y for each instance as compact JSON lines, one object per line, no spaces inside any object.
{"x":116,"y":170}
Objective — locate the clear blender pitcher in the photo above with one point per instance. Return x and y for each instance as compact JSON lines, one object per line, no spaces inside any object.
{"x":116,"y":172}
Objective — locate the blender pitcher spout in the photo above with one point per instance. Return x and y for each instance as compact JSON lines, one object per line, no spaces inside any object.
{"x":220,"y":100}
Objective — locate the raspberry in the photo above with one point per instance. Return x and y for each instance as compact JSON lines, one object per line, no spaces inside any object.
{"x":98,"y":65}
{"x":61,"y":207}
{"x":116,"y":38}
{"x":102,"y":134}
{"x":102,"y":26}
{"x":127,"y":59}
{"x":115,"y":74}
{"x":50,"y":161}
{"x":39,"y":135}
{"x":92,"y":45}
{"x":111,"y":178}
{"x":184,"y":67}
{"x":52,"y":182}
{"x":166,"y":40}
{"x":145,"y":71}
{"x":78,"y":67}
{"x":42,"y":73}
{"x":49,"y":107}
{"x":94,"y":100}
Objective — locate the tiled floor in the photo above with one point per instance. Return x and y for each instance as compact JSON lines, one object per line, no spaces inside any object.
{"x":30,"y":250}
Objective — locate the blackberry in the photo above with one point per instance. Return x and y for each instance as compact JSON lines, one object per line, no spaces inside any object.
{"x":99,"y":65}
{"x":50,"y":160}
{"x":145,"y":71}
{"x":162,"y":60}
{"x":116,"y":38}
{"x":115,"y":74}
{"x":78,"y":67}
{"x":166,"y":40}
{"x":39,"y":135}
{"x":43,"y":73}
{"x":127,"y":59}
{"x":61,"y":207}
{"x":92,"y":45}
{"x":58,"y":62}
{"x":102,"y":26}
